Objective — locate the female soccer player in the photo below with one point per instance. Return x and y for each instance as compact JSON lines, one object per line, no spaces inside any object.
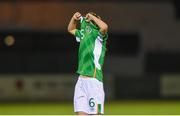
{"x":92,"y":35}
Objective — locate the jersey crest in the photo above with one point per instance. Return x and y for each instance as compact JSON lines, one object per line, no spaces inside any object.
{"x":88,"y":29}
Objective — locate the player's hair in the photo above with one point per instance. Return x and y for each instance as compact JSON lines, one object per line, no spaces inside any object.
{"x":94,"y":14}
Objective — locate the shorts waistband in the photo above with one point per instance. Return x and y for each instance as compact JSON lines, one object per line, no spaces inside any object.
{"x":82,"y":76}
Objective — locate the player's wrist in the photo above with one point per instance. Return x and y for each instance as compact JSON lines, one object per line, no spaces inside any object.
{"x":93,"y":17}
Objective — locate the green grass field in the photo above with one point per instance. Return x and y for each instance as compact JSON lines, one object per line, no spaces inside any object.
{"x":120,"y":107}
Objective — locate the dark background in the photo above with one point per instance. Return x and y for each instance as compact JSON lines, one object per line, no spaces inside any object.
{"x":143,"y":45}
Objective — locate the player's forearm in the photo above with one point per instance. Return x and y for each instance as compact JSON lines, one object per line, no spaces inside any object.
{"x":101,"y":24}
{"x":72,"y":25}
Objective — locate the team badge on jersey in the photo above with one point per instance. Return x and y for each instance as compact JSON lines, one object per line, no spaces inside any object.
{"x":88,"y":29}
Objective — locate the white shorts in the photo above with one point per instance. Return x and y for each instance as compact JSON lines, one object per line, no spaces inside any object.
{"x":89,"y":96}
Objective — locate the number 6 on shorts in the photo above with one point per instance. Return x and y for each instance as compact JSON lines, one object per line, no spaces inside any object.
{"x":91,"y":102}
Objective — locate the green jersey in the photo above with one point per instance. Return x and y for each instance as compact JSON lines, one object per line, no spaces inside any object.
{"x":92,"y":49}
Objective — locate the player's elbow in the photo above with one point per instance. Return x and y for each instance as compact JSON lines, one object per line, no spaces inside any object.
{"x":104,"y":29}
{"x":69,"y":30}
{"x":72,"y":31}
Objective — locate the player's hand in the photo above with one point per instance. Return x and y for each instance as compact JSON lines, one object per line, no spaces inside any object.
{"x":77,"y":16}
{"x":89,"y":17}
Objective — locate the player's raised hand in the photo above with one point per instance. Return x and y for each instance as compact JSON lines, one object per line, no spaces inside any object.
{"x":89,"y":17}
{"x":77,"y":16}
{"x":73,"y":23}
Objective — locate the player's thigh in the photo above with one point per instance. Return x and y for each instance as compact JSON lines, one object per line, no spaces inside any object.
{"x":80,"y":99}
{"x":95,"y":97}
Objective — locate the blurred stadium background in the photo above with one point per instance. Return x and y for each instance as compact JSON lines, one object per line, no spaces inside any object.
{"x":38,"y":58}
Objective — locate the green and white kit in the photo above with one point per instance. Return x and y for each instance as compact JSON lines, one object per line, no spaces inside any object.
{"x":89,"y":92}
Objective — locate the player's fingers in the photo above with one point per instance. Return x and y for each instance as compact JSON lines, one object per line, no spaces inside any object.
{"x":87,"y":15}
{"x":78,"y":18}
{"x":78,"y":15}
{"x":75,"y":14}
{"x":88,"y":18}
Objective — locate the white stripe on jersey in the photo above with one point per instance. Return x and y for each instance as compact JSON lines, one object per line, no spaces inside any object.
{"x":97,"y":52}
